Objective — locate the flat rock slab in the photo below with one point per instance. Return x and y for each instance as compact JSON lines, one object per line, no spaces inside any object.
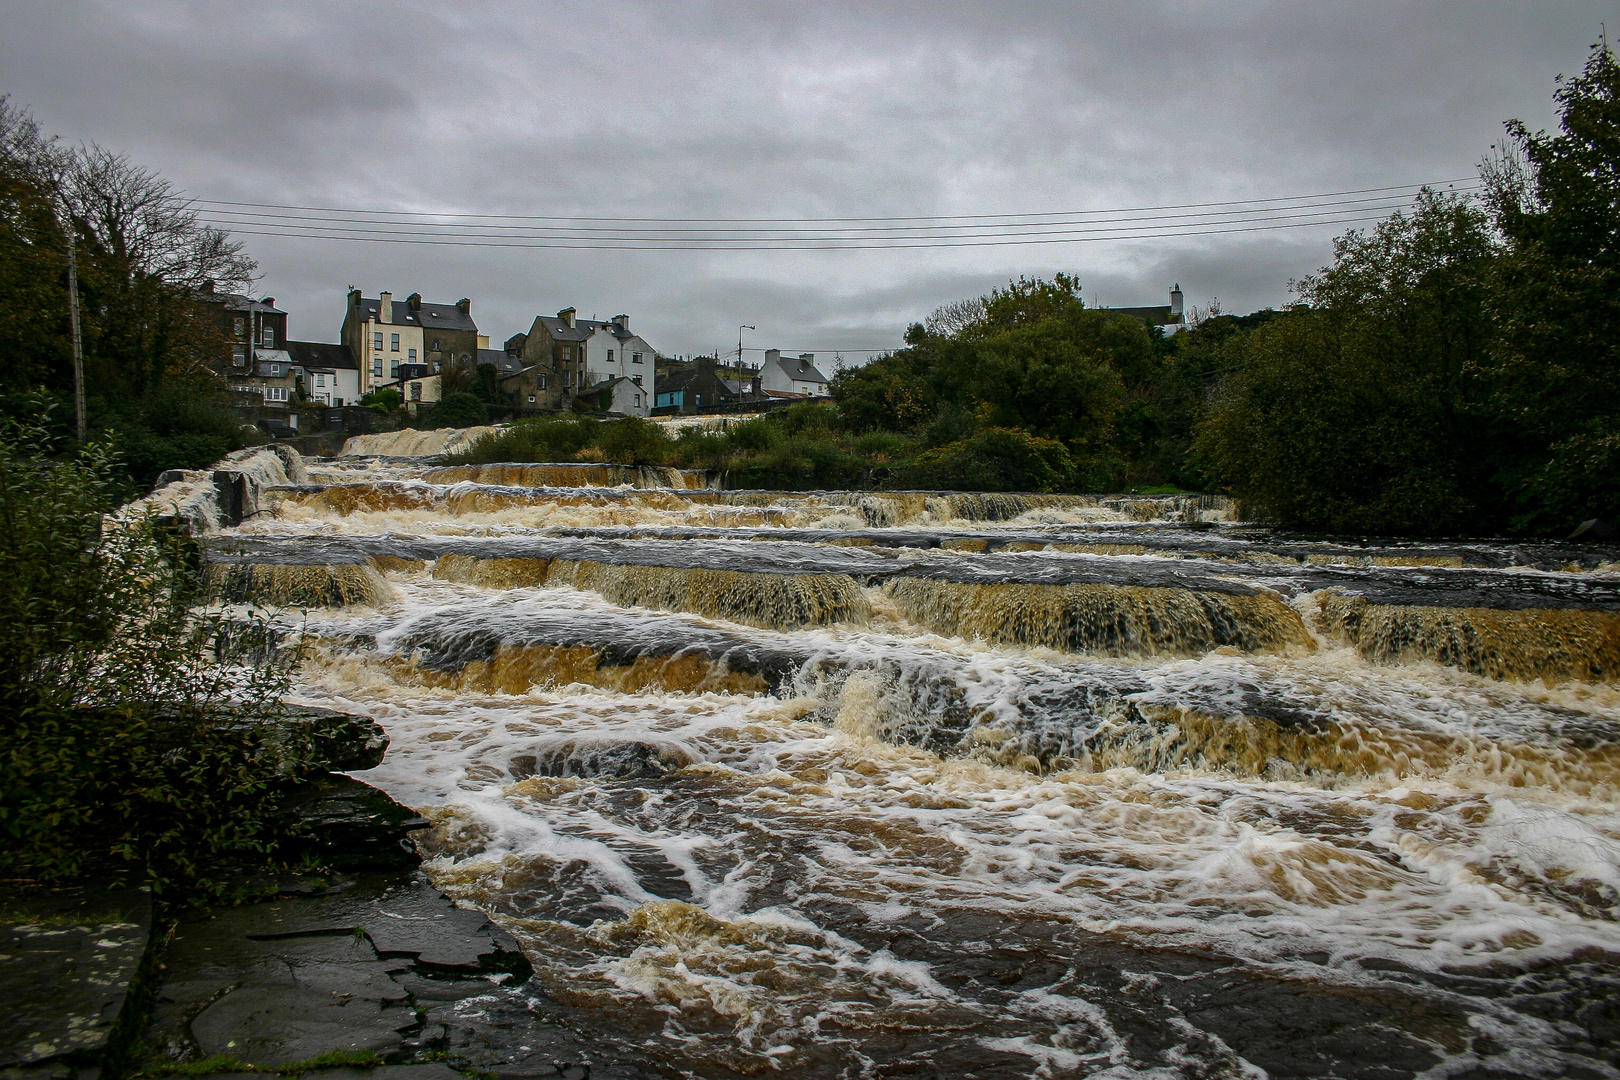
{"x":66,"y":968}
{"x":407,"y":918}
{"x":285,"y":981}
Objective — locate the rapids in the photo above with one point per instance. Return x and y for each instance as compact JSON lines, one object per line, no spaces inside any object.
{"x":850,"y":784}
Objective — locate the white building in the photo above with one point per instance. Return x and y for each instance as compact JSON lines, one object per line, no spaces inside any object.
{"x":611,"y":351}
{"x":792,"y":375}
{"x":329,"y":374}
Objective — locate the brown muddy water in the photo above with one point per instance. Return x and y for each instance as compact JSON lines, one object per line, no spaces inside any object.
{"x":929,"y":784}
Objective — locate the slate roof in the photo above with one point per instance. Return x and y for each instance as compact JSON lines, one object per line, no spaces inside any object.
{"x":238,"y":302}
{"x":320,"y":354}
{"x":1154,"y":316}
{"x":432,"y":316}
{"x":582,"y":328}
{"x":800,"y":370}
{"x":504,"y":361}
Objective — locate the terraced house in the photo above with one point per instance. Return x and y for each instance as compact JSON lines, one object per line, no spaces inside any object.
{"x":410,"y":344}
{"x":564,"y":359}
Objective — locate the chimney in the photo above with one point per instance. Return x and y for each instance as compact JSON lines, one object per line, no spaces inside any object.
{"x":414,"y":301}
{"x":354,"y":297}
{"x":464,"y":306}
{"x":385,"y":309}
{"x":268,"y":301}
{"x":622,"y":322}
{"x":567,"y":316}
{"x":208,"y":285}
{"x":772,"y":355}
{"x":1175,"y":303}
{"x":806,"y":359}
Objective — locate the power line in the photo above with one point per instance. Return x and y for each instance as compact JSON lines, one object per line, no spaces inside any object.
{"x":827,"y":244}
{"x":317,"y":222}
{"x":938,"y":217}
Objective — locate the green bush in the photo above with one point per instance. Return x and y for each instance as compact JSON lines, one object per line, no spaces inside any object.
{"x":999,"y":459}
{"x":633,"y":441}
{"x":554,"y":438}
{"x":125,"y":745}
{"x":456,"y":411}
{"x":386,"y":400}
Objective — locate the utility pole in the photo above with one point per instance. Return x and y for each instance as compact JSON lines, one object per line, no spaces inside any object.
{"x":78,"y":348}
{"x":740,"y":329}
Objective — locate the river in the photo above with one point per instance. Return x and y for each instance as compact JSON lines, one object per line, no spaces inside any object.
{"x":922,"y":784}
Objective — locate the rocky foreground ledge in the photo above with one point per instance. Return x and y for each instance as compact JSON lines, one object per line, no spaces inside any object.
{"x":359,"y":969}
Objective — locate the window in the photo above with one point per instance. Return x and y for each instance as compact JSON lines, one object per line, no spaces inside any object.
{"x":275,"y":369}
{"x":636,"y":379}
{"x":275,"y":393}
{"x":540,"y":384}
{"x":435,"y":344}
{"x":531,"y":399}
{"x":638,"y":401}
{"x":393,"y":343}
{"x":376,"y":368}
{"x":241,"y":327}
{"x":269,"y":337}
{"x":567,"y":352}
{"x":238,"y":355}
{"x":610,"y":356}
{"x":393,"y":370}
{"x":635,"y":358}
{"x":411,"y":355}
{"x":416,"y":391}
{"x":376,"y":341}
{"x":320,"y":380}
{"x":568,"y":378}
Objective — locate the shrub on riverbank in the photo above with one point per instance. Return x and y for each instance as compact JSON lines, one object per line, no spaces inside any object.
{"x":123,"y":748}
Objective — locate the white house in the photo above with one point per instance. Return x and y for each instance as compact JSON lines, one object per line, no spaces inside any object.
{"x":618,"y":394}
{"x":610,"y":351}
{"x":331,"y":375}
{"x":792,"y":375}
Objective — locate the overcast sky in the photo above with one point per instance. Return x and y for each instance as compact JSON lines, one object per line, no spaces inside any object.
{"x":787,"y":110}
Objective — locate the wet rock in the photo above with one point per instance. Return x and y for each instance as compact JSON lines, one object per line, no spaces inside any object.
{"x":342,"y":742}
{"x":1594,"y":529}
{"x":620,"y":760}
{"x":342,"y":823}
{"x":67,"y":966}
{"x":288,"y":980}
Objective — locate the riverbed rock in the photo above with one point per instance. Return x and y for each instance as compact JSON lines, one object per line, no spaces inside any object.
{"x":632,"y":760}
{"x":67,"y":966}
{"x":339,"y":822}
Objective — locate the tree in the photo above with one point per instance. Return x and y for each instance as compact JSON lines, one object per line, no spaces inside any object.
{"x":1359,"y":410}
{"x":33,"y":256}
{"x":1555,"y":370}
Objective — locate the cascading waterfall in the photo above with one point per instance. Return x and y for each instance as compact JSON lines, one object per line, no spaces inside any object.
{"x":930,"y":783}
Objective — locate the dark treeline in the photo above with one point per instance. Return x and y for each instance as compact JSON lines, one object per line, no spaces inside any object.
{"x":143,"y":258}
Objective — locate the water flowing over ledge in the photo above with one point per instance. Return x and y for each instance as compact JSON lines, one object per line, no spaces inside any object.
{"x":827,"y":783}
